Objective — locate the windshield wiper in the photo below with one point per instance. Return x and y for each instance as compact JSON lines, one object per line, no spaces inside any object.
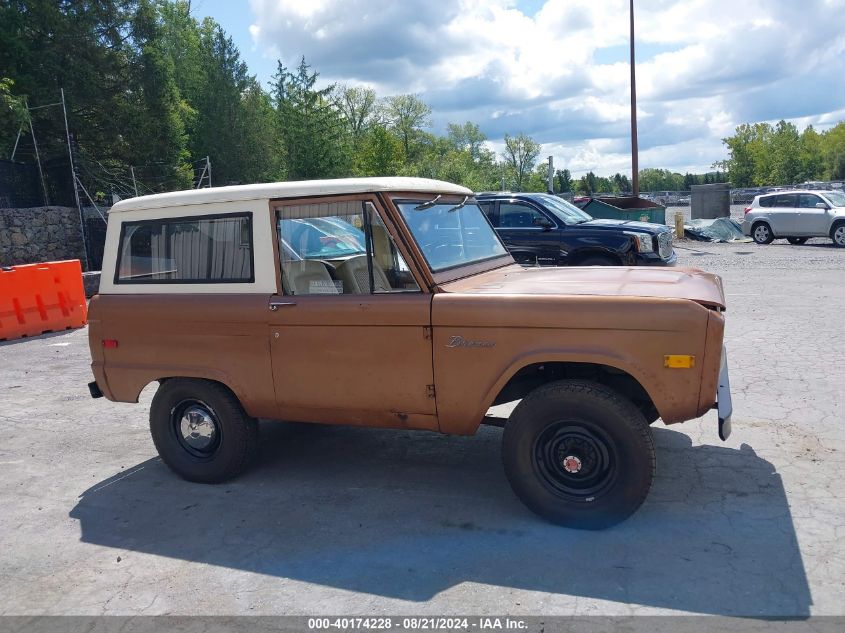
{"x":427,"y":205}
{"x":463,"y":203}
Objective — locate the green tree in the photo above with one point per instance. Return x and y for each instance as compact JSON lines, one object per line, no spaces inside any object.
{"x":784,"y":149}
{"x":833,"y":151}
{"x":310,"y":125}
{"x":811,"y":155}
{"x":13,"y":112}
{"x":564,"y":180}
{"x":85,"y":47}
{"x":380,"y":153}
{"x":158,"y":114}
{"x":521,"y":152}
{"x":621,"y":184}
{"x":359,"y":108}
{"x":467,"y":137}
{"x":407,"y":115}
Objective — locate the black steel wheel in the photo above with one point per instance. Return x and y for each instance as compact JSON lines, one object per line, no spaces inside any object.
{"x":201,"y":431}
{"x":579,"y":454}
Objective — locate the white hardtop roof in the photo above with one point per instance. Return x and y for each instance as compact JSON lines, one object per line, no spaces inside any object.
{"x":288,"y":190}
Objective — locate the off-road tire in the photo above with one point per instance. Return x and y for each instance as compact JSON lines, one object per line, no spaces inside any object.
{"x":797,"y":241}
{"x":837,"y":234}
{"x":763,"y":237}
{"x":563,"y":409}
{"x":238,"y":433}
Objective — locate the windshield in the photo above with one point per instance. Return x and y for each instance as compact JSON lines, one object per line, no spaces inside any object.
{"x":451,"y":235}
{"x":565,"y":211}
{"x":835,"y":198}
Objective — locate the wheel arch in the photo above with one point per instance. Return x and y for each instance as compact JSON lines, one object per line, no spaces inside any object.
{"x":529,"y":373}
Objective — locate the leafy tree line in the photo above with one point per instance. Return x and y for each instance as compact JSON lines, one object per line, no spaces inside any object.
{"x":147,"y":84}
{"x":761,"y":154}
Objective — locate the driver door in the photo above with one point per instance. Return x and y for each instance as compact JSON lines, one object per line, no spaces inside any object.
{"x":520,"y":227}
{"x":350,"y":336}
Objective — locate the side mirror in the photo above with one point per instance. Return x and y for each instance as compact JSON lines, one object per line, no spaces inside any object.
{"x":544,"y":223}
{"x":822,"y":205}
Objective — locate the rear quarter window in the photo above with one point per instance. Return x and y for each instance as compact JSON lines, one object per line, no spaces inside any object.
{"x":200,"y":249}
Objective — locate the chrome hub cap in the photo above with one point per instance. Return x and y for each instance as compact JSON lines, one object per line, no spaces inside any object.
{"x":761,"y":233}
{"x":196,"y":428}
{"x":839,"y":235}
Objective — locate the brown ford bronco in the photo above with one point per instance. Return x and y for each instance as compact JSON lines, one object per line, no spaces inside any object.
{"x":391,"y":302}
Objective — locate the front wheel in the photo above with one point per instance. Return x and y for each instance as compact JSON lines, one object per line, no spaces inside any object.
{"x":579,"y":454}
{"x":796,"y":240}
{"x":201,"y":431}
{"x":598,"y":260}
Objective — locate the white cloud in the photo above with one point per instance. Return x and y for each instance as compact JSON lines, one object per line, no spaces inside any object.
{"x":713,"y":64}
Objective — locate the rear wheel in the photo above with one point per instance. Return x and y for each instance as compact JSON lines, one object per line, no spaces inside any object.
{"x":579,"y":454}
{"x":796,"y":240}
{"x":201,"y":431}
{"x":762,"y":233}
{"x":837,"y":234}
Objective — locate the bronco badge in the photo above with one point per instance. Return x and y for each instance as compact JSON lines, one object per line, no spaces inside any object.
{"x":460,"y":341}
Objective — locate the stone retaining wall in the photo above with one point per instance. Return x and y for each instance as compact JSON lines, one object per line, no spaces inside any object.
{"x":39,"y":234}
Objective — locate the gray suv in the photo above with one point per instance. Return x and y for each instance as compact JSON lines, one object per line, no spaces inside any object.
{"x":796,"y":216}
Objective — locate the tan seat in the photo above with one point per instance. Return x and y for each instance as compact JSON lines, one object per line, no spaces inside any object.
{"x":309,"y":277}
{"x":356,"y":278}
{"x":382,"y":253}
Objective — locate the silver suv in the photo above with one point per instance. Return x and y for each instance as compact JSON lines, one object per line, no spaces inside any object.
{"x":796,"y":216}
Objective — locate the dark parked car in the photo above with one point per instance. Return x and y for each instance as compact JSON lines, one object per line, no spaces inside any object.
{"x":544,"y":230}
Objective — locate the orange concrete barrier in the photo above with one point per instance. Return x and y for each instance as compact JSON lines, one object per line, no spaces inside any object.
{"x":38,"y":298}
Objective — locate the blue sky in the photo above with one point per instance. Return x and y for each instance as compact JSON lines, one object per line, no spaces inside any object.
{"x":557,"y":69}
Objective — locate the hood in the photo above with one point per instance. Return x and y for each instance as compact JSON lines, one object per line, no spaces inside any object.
{"x":604,"y":281}
{"x":624,"y":225}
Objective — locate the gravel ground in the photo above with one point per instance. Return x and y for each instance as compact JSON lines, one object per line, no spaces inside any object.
{"x":356,"y":521}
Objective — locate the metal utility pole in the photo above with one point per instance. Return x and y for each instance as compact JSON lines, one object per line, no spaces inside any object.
{"x":208,"y":165}
{"x":635,"y":167}
{"x":75,"y":188}
{"x":550,"y":177}
{"x":134,"y":183}
{"x":37,"y":156}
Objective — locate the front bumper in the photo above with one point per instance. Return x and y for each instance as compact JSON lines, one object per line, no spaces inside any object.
{"x":653,"y":259}
{"x":724,"y":405}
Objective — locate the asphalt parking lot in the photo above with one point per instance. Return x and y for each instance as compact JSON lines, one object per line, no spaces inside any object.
{"x":357,"y":521}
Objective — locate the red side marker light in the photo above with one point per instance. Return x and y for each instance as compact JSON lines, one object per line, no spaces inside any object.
{"x":109,"y":343}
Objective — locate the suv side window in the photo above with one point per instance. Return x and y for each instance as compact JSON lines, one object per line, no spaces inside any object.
{"x":200,"y":249}
{"x":339,"y":248}
{"x":808,"y":201}
{"x":514,"y":215}
{"x":785,"y":200}
{"x":767,"y":201}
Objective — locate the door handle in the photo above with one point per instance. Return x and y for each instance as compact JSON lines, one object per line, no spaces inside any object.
{"x":275,"y":304}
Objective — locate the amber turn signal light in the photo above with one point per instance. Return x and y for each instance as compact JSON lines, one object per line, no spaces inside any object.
{"x":678,"y":361}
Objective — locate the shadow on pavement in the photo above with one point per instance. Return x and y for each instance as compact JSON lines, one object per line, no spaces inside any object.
{"x":408,"y":515}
